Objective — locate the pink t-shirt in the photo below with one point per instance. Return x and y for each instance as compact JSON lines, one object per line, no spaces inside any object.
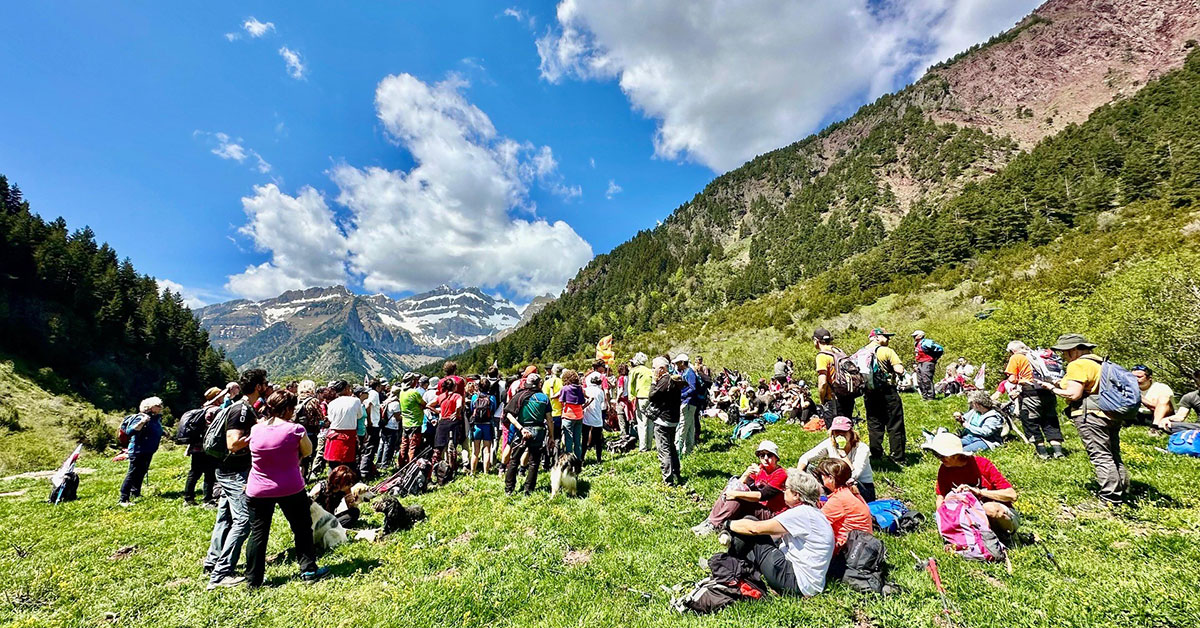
{"x":275,"y":460}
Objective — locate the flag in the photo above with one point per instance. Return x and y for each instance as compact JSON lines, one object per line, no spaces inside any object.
{"x":604,"y":350}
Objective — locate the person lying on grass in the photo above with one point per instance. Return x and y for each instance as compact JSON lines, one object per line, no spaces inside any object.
{"x":982,"y":424}
{"x":791,"y":550}
{"x":843,"y":444}
{"x":758,"y":492}
{"x":963,"y":470}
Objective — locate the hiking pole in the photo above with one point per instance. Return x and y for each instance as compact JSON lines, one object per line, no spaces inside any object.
{"x":930,"y":565}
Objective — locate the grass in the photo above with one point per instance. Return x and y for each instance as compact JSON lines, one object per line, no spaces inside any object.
{"x":484,"y":559}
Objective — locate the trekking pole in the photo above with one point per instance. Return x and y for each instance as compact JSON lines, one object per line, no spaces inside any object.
{"x":930,"y":566}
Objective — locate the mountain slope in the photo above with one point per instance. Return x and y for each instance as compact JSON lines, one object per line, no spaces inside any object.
{"x":898,"y":190}
{"x":329,"y":331}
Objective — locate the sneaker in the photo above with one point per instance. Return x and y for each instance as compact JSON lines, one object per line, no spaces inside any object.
{"x":704,"y":529}
{"x":226,"y":582}
{"x":124,"y":503}
{"x":1040,"y":449}
{"x":1058,"y":452}
{"x":208,"y":569}
{"x":313,"y":576}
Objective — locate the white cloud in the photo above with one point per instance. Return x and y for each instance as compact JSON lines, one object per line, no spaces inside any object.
{"x":234,"y":149}
{"x":256,"y":28}
{"x":521,"y":16}
{"x":613,"y":189}
{"x":295,"y":66}
{"x":727,"y":81}
{"x":192,"y":298}
{"x":448,"y":219}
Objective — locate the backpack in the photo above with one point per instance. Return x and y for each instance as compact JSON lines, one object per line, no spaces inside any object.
{"x":866,"y":562}
{"x":414,"y":480}
{"x":893,"y":517}
{"x":708,"y":596}
{"x":964,"y":527}
{"x":621,"y":444}
{"x":308,"y":414}
{"x":214,"y":442}
{"x":1119,"y":395}
{"x":847,"y":380}
{"x":482,"y":410}
{"x":66,"y":490}
{"x":1185,"y":443}
{"x":935,"y":351}
{"x":125,"y":433}
{"x":770,"y":417}
{"x":873,"y":374}
{"x":747,"y":428}
{"x":191,"y":427}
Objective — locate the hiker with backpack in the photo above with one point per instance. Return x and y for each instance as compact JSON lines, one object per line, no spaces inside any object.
{"x":843,"y":444}
{"x":927,"y":353}
{"x":881,"y":401}
{"x":343,"y":414}
{"x":144,"y":431}
{"x":839,"y":382}
{"x":389,"y":430}
{"x":530,"y":415}
{"x":791,"y":550}
{"x":451,"y":434}
{"x":965,"y":471}
{"x":664,"y":409}
{"x":1100,"y":397}
{"x":482,"y":410}
{"x":757,"y":493}
{"x":689,"y":409}
{"x":308,"y":414}
{"x":191,"y":433}
{"x":228,"y":440}
{"x":1037,"y":407}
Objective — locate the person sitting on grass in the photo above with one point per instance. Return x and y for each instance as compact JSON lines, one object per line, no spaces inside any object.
{"x":791,"y":550}
{"x":844,"y":508}
{"x":982,"y":424}
{"x":331,"y":493}
{"x":758,"y":493}
{"x":963,"y":470}
{"x":843,"y":444}
{"x":1189,"y":403}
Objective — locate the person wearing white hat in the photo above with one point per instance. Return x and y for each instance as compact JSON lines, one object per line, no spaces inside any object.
{"x":757,"y":493}
{"x":641,"y":379}
{"x":685,"y":437}
{"x":964,"y":471}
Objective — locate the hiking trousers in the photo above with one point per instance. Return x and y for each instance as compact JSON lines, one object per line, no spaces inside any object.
{"x":388,"y":441}
{"x":202,"y":465}
{"x":645,"y":426}
{"x":295,"y":510}
{"x":410,"y":443}
{"x":762,"y":552}
{"x":885,"y":415}
{"x":572,"y":437}
{"x":534,"y":447}
{"x":1038,"y":410}
{"x":840,"y":405}
{"x":139,"y":466}
{"x":1101,"y":436}
{"x":925,"y":371}
{"x":668,"y":456}
{"x":685,"y":434}
{"x":232,"y":525}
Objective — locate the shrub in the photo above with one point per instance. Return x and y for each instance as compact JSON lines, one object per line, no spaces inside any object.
{"x":10,"y":419}
{"x":92,"y":429}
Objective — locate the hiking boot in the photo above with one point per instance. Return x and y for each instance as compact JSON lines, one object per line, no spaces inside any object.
{"x":189,"y":501}
{"x":1041,"y":452}
{"x":313,"y":576}
{"x":704,"y":529}
{"x":124,"y":503}
{"x":226,"y":582}
{"x":1058,"y":452}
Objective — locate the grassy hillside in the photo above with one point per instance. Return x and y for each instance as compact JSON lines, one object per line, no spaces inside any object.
{"x":483,"y":559}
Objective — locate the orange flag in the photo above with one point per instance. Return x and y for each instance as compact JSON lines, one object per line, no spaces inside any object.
{"x":604,"y":350}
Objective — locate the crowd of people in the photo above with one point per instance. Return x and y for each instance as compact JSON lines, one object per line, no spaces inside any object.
{"x":296,"y":444}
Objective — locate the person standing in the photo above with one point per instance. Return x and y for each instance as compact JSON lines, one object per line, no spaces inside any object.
{"x":664,"y":409}
{"x":927,"y":353}
{"x":551,"y":388}
{"x":233,"y":512}
{"x":412,"y":415}
{"x":828,"y":358}
{"x":1036,"y":406}
{"x":881,"y":401}
{"x":145,"y":434}
{"x":1100,"y":433}
{"x":389,"y":432}
{"x":685,"y":437}
{"x":593,"y":416}
{"x":341,"y":441}
{"x":370,"y":443}
{"x":451,"y":434}
{"x":203,"y":465}
{"x":529,"y":413}
{"x":308,"y":414}
{"x":641,"y":379}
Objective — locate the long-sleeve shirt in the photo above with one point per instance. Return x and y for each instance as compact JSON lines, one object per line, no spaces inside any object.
{"x":664,"y":400}
{"x":986,"y":426}
{"x":691,"y":389}
{"x":859,"y":459}
{"x":641,"y":379}
{"x":145,"y":440}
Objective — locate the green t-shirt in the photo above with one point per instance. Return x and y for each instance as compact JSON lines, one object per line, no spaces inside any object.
{"x":411,"y":412}
{"x":533,"y":413}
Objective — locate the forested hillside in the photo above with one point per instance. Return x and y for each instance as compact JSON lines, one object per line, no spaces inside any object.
{"x":1140,"y":149}
{"x":89,"y":322}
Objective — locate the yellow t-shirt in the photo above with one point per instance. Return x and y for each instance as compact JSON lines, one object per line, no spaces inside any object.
{"x":551,"y":388}
{"x":826,"y":364}
{"x":888,"y":359}
{"x":1086,"y":371}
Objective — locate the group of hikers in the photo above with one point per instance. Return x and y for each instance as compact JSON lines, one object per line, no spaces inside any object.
{"x":256,"y":446}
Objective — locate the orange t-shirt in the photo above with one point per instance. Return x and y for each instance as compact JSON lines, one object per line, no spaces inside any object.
{"x":1019,"y":366}
{"x":846,"y":511}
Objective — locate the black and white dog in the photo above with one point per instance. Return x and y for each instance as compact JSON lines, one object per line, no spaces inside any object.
{"x":565,"y":475}
{"x":328,"y":532}
{"x":397,"y":516}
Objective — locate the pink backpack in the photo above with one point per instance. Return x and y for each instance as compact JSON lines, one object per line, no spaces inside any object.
{"x":964,"y":526}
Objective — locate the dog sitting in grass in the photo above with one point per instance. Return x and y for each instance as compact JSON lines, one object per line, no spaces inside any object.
{"x":565,"y":475}
{"x":397,"y":516}
{"x":328,"y":533}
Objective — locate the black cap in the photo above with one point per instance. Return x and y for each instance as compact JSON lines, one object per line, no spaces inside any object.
{"x":823,"y":335}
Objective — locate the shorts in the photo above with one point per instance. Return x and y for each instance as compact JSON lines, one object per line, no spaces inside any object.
{"x":447,"y":430}
{"x":483,"y":432}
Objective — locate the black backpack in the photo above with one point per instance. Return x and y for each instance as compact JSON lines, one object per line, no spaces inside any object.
{"x":67,"y":489}
{"x":414,"y":480}
{"x":191,"y":427}
{"x":866,"y":562}
{"x":482,"y":410}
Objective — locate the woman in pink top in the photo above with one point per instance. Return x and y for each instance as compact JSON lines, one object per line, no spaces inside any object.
{"x":276,"y":447}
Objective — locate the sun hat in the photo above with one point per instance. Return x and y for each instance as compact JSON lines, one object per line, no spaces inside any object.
{"x":840,"y":424}
{"x":879,"y":331}
{"x":211,"y":393}
{"x":769,"y":447}
{"x":530,"y":370}
{"x":681,"y":357}
{"x":1067,"y":342}
{"x":946,"y":444}
{"x":660,"y":362}
{"x":595,"y":378}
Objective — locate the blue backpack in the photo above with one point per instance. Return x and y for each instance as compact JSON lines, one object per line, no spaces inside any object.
{"x":1186,"y":443}
{"x":770,"y":417}
{"x":1119,"y":394}
{"x":893,"y":517}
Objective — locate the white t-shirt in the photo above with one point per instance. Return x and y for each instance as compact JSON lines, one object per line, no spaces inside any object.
{"x":344,"y":412}
{"x":1156,"y":394}
{"x":808,"y":546}
{"x":593,"y":414}
{"x":430,"y":397}
{"x":393,"y":415}
{"x":373,"y":403}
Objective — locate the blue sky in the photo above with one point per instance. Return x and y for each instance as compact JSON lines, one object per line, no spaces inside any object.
{"x":415,"y":143}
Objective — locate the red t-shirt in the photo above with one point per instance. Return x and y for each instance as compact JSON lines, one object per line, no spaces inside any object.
{"x":978,"y":472}
{"x":775,"y":479}
{"x":460,"y":384}
{"x":448,"y":405}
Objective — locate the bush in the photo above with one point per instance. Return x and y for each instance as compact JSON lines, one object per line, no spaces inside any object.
{"x":10,"y":419}
{"x":91,"y":429}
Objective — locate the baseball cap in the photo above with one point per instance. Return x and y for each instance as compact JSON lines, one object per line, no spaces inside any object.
{"x":841,"y":424}
{"x":769,"y":447}
{"x":1143,"y":368}
{"x":946,"y":444}
{"x":530,"y":370}
{"x":822,"y":335}
{"x":879,"y":331}
{"x":681,"y":357}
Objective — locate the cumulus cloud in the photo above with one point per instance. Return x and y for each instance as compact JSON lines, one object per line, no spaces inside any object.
{"x":726,"y":81}
{"x":461,"y":215}
{"x":253,"y":28}
{"x":194,"y":299}
{"x":234,"y":149}
{"x":613,"y":189}
{"x":295,"y":66}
